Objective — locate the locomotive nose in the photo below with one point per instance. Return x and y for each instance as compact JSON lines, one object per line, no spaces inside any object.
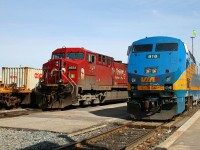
{"x":52,"y":71}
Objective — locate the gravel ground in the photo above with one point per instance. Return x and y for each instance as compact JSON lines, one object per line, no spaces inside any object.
{"x":17,"y":139}
{"x":12,"y":139}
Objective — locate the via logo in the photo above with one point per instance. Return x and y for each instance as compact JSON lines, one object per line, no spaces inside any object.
{"x":147,"y":79}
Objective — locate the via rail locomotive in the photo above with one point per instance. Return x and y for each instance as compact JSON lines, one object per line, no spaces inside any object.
{"x":76,"y":76}
{"x":163,"y":76}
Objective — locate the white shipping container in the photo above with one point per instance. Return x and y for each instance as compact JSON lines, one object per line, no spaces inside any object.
{"x":25,"y":77}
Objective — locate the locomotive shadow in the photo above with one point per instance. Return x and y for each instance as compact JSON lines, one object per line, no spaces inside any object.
{"x":116,"y":112}
{"x":47,"y":145}
{"x":41,"y":146}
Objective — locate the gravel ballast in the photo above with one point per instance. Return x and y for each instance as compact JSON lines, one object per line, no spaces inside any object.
{"x":18,"y":139}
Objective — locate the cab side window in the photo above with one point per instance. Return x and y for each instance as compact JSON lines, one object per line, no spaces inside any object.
{"x":108,"y":61}
{"x":90,"y":58}
{"x":99,"y":59}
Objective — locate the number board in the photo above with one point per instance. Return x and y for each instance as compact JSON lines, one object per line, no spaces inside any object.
{"x":153,"y":56}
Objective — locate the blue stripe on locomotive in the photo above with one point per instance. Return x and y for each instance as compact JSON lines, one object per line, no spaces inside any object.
{"x":170,"y":64}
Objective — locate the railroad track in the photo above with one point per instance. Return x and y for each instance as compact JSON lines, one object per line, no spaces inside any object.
{"x":136,"y":135}
{"x":17,"y":112}
{"x":126,"y":136}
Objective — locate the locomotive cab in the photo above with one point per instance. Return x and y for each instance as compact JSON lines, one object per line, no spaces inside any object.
{"x":61,"y":67}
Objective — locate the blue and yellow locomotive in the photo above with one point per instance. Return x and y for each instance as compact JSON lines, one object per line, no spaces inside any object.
{"x":163,"y":77}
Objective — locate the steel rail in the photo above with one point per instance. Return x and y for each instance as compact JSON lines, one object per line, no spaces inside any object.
{"x":129,"y":146}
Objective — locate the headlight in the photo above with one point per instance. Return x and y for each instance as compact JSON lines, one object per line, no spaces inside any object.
{"x":57,"y":62}
{"x":133,"y":79}
{"x":168,"y":87}
{"x":147,"y":70}
{"x":60,"y":80}
{"x":168,"y":79}
{"x":72,"y":75}
{"x":154,"y":70}
{"x":134,"y":87}
{"x":151,"y":70}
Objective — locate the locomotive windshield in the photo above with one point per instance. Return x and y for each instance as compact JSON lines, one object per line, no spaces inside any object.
{"x":75,"y":55}
{"x":59,"y":55}
{"x":143,"y":48}
{"x":166,"y":46}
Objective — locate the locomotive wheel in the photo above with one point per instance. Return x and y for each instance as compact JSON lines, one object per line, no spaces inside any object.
{"x":96,"y":101}
{"x":85,"y":103}
{"x":132,"y":116}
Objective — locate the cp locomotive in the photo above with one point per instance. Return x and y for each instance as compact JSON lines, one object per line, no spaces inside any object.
{"x":163,"y":76}
{"x":76,"y":76}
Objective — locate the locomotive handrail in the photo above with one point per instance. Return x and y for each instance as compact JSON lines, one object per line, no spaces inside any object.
{"x":71,"y":82}
{"x":74,"y":84}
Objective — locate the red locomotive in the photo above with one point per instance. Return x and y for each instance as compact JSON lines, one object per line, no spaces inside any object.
{"x":76,"y":76}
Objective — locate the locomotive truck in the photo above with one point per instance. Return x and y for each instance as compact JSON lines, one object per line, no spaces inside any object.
{"x":77,"y":76}
{"x":163,"y":76}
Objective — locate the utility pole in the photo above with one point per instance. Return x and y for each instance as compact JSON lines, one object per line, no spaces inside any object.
{"x":192,"y":37}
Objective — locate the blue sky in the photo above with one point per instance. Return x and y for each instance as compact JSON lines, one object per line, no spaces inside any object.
{"x":31,"y":29}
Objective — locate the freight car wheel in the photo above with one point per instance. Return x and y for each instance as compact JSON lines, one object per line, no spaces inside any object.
{"x":8,"y":106}
{"x":1,"y":106}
